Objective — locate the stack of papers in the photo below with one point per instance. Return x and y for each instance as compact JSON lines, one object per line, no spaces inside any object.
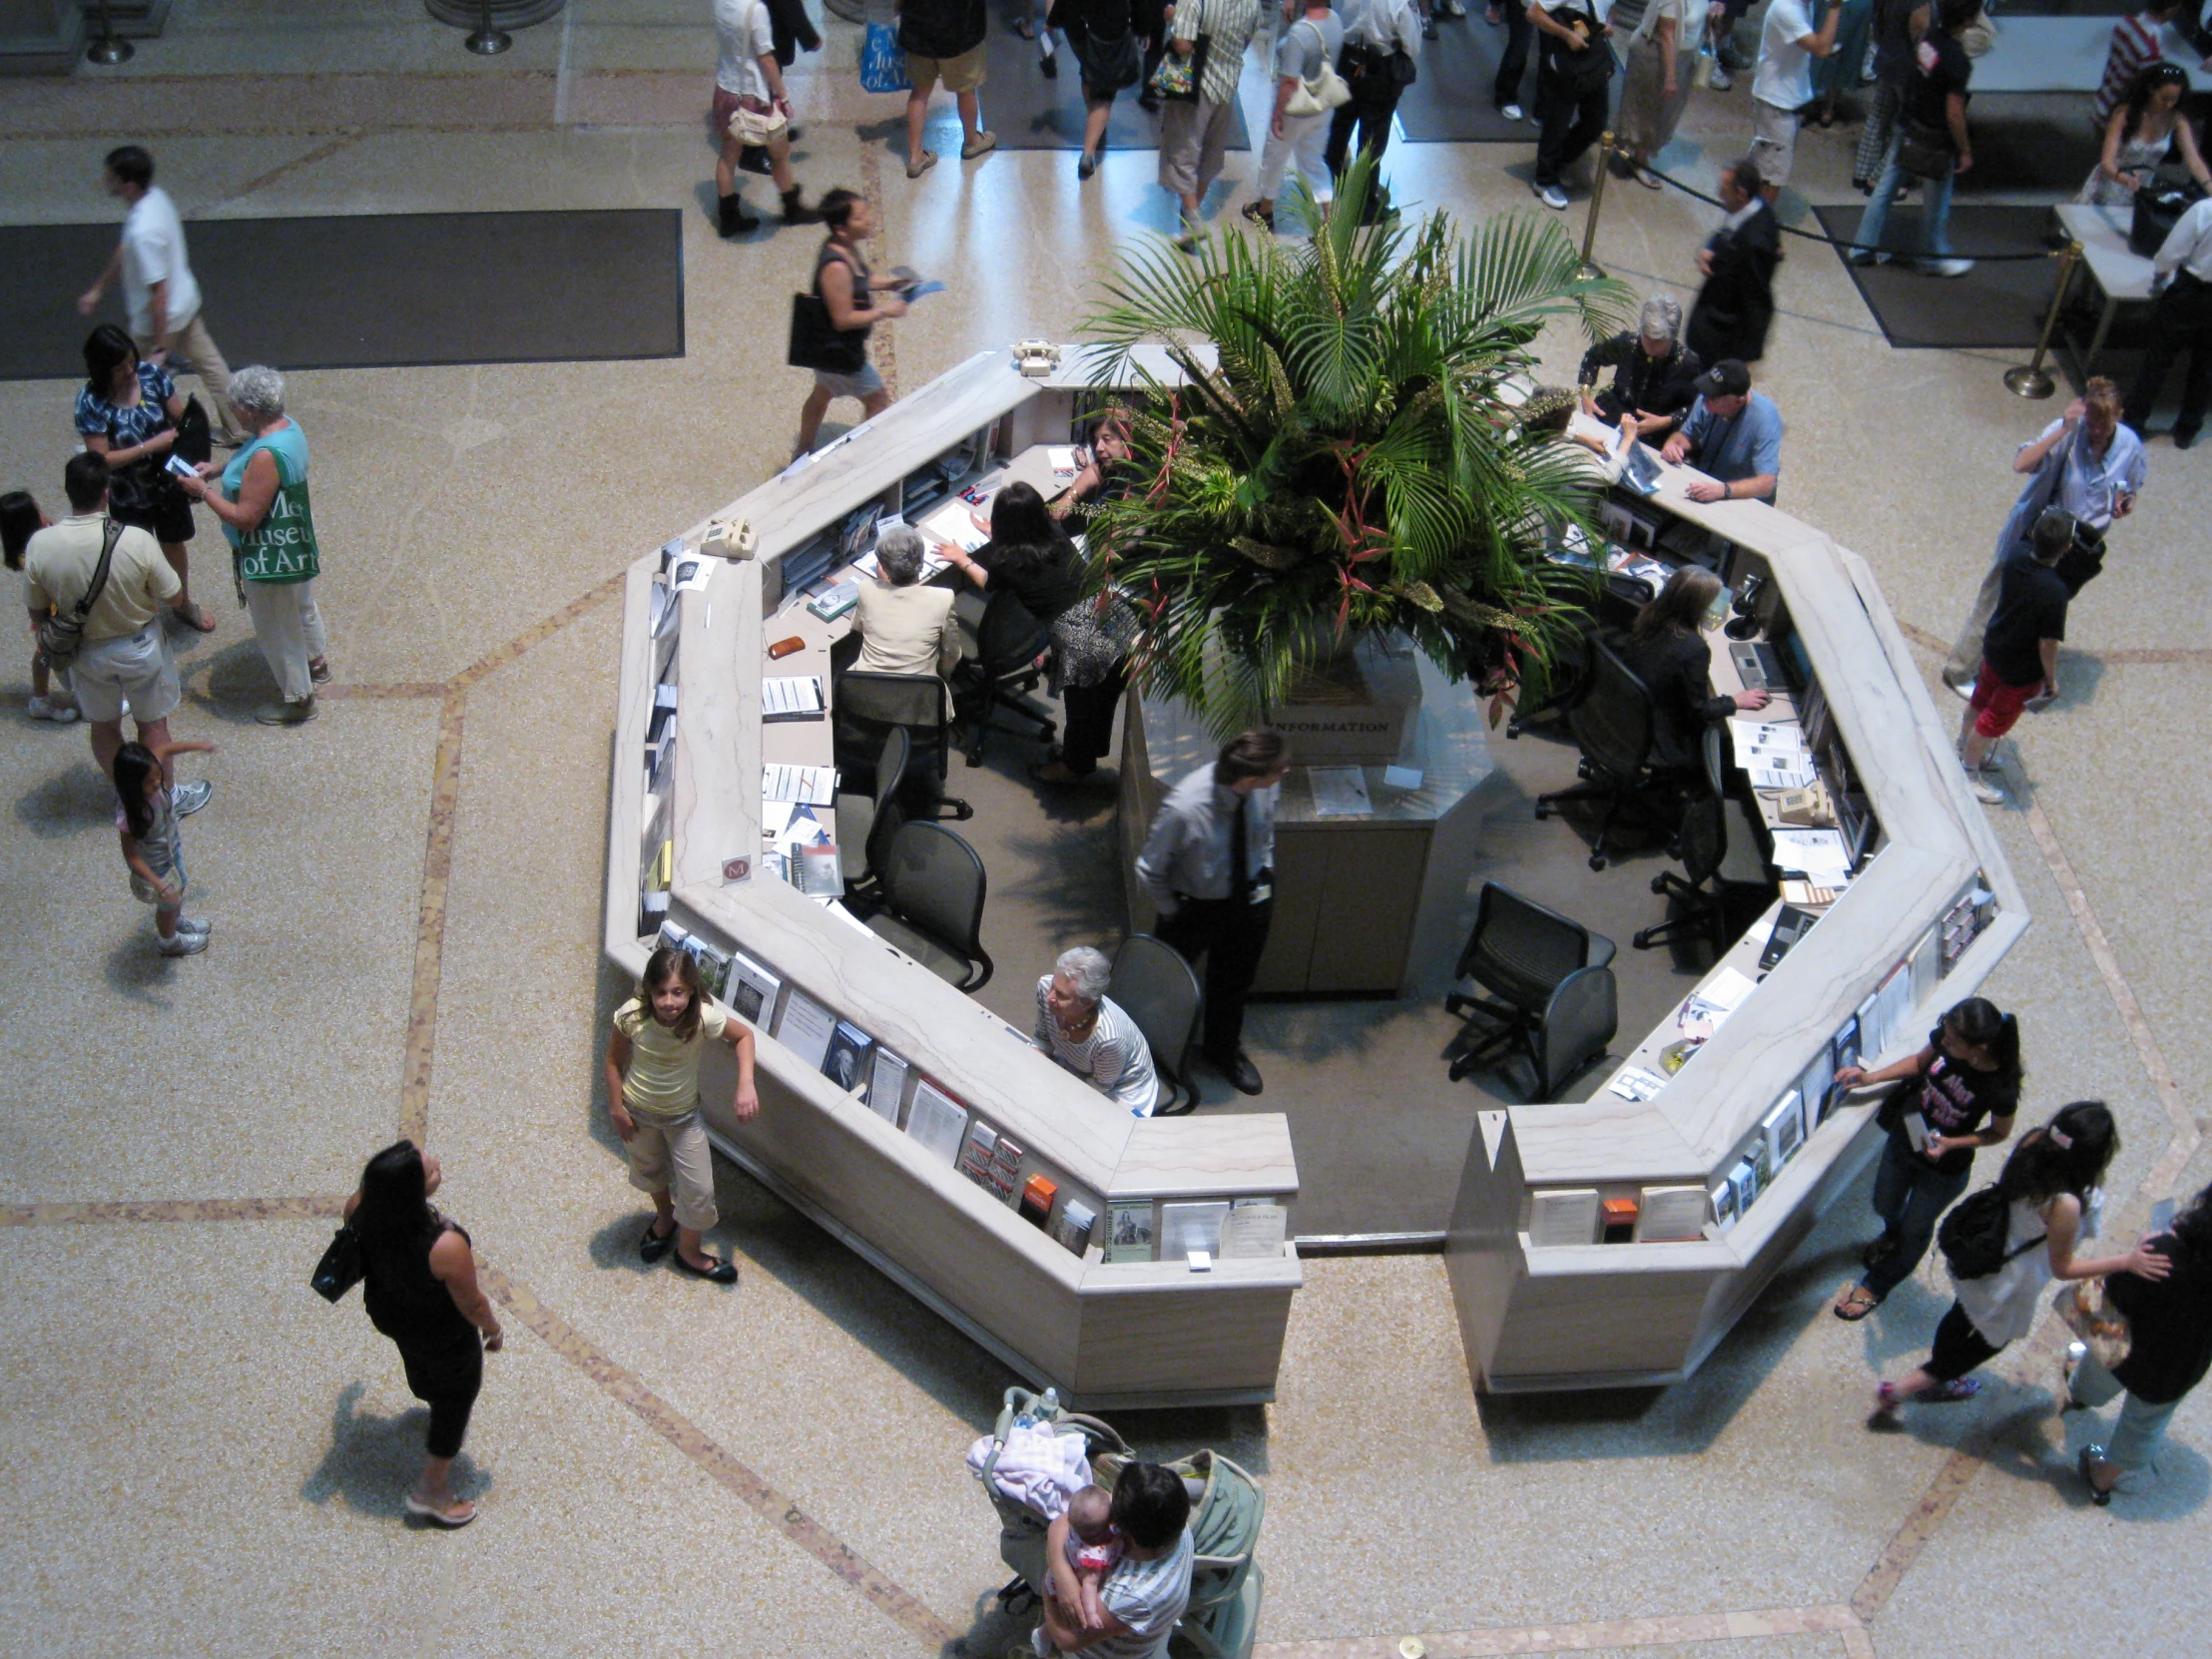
{"x":1338,"y":791}
{"x":1635,"y":1083}
{"x":791,"y":697}
{"x":1817,"y":855}
{"x":1773,"y":751}
{"x":1712,"y":1002}
{"x":809,"y":786}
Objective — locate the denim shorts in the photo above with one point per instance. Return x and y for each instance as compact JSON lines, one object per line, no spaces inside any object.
{"x":864,"y":386}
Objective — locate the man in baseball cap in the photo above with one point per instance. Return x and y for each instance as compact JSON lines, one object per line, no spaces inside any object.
{"x":1732,"y":435}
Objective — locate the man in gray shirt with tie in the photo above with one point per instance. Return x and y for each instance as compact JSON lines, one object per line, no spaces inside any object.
{"x":1209,"y":865}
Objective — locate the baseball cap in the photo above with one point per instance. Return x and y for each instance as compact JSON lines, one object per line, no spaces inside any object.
{"x":1726,"y":379}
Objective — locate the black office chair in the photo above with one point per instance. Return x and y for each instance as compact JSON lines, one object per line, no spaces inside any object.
{"x":868,"y":707}
{"x":1552,"y":990}
{"x":1154,"y":986}
{"x":1612,"y":723}
{"x":932,"y":889}
{"x":867,"y":822}
{"x":1718,"y":845}
{"x":998,"y":667}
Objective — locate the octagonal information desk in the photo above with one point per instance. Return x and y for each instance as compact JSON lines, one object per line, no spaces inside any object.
{"x":963,"y":1163}
{"x":1613,"y":1241}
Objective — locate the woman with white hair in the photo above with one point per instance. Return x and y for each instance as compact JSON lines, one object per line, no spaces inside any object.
{"x":904,"y":627}
{"x":1079,"y":1027}
{"x":262,"y":499}
{"x":1653,"y":371}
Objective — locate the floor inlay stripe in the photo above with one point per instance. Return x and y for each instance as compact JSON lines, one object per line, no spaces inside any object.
{"x":1659,"y":1631}
{"x":430,"y":968}
{"x":318,"y":1206}
{"x":680,"y":1431}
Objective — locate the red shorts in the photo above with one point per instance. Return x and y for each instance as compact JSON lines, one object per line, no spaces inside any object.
{"x":719,"y":116}
{"x":1998,"y":705}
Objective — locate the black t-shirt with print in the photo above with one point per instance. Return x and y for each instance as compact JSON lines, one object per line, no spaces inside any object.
{"x":2031,"y":608}
{"x":1940,"y":67}
{"x":1954,"y":1099}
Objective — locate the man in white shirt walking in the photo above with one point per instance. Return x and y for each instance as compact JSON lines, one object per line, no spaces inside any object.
{"x":2180,"y":328}
{"x":160,"y":292}
{"x":1783,"y":84}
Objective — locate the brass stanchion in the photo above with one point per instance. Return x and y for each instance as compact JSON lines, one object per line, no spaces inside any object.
{"x":1590,"y":267}
{"x":2032,"y":379}
{"x":108,"y":48}
{"x":488,"y":39}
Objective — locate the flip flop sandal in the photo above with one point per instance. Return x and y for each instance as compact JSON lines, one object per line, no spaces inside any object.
{"x":441,"y":1518}
{"x":1950,"y":1393}
{"x":195,"y":617}
{"x":1856,"y":1304}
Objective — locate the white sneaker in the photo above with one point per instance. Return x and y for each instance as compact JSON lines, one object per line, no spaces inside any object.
{"x":184,"y":944}
{"x":1983,"y":790}
{"x":45,"y":708}
{"x":197,"y":926}
{"x":188,"y":798}
{"x":1720,"y":80}
{"x":1512,"y":112}
{"x":1551,"y":195}
{"x":1965,"y":693}
{"x":1947,"y":267}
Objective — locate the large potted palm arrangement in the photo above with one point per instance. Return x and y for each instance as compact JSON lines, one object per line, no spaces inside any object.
{"x":1347,"y":468}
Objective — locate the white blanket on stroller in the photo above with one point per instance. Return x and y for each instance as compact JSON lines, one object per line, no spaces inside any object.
{"x":1038,"y":1467}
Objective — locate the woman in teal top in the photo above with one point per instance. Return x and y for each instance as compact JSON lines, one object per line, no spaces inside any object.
{"x":262,"y":499}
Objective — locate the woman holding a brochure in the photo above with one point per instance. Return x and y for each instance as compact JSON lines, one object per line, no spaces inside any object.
{"x":1959,"y":1095}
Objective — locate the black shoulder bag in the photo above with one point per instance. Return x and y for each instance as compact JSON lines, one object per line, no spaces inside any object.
{"x":817,"y":341}
{"x":341,"y":1267}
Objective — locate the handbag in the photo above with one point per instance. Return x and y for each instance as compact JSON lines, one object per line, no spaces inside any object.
{"x":1181,"y":74}
{"x":60,"y":633}
{"x":1924,"y":151}
{"x":341,"y":1267}
{"x":883,"y":63}
{"x":1979,"y":38}
{"x":2089,"y":1313}
{"x":1325,"y":92}
{"x":817,"y":342}
{"x":2083,"y":560}
{"x":2158,"y":207}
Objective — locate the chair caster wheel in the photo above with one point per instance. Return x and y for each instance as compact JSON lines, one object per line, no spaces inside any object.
{"x":1642,"y":941}
{"x":1543,"y":812}
{"x":1659,"y":884}
{"x":1597,"y":861}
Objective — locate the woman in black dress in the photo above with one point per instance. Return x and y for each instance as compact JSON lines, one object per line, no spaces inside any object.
{"x":1666,"y":650}
{"x":1104,"y":36}
{"x":2169,"y":1351}
{"x":420,"y":1281}
{"x":1028,"y":552}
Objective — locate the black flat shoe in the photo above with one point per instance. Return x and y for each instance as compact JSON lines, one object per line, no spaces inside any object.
{"x":722,"y":1273}
{"x":654,"y":1245}
{"x":1242,"y":1075}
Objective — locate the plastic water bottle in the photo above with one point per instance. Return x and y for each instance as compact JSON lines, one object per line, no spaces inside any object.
{"x":1026,"y":1418}
{"x":1049,"y":1406}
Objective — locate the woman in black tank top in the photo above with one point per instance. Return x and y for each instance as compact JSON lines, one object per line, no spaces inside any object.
{"x":419,"y":1283}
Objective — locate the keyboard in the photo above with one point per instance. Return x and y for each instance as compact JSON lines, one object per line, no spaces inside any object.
{"x":1759,"y":665}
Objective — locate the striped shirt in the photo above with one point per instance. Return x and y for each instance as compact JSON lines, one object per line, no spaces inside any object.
{"x":2134,"y":47}
{"x":1114,"y":1059}
{"x":1230,"y":25}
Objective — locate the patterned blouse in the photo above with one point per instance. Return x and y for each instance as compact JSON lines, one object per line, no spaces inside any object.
{"x":125,"y":428}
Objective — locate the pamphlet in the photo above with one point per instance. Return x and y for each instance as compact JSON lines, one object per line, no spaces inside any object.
{"x":936,"y":1120}
{"x":1635,"y":1083}
{"x":1129,"y":1231}
{"x":1253,"y":1232}
{"x":810,"y":786}
{"x":791,"y":697}
{"x":751,"y":989}
{"x":886,"y":1085}
{"x":1338,"y":791}
{"x":1193,"y":1226}
{"x":846,"y":1062}
{"x":805,"y":1028}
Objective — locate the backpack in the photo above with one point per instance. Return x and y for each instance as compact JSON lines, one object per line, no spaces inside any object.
{"x":1973,"y":1236}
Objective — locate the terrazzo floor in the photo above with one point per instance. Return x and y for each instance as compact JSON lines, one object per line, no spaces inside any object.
{"x":202,"y":1458}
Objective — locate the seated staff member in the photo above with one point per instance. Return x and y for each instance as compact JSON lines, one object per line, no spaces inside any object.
{"x":1550,"y":409}
{"x":1965,"y":1089}
{"x":1081,"y":1028}
{"x":1732,"y":436}
{"x":1654,"y":374}
{"x":1028,"y":553}
{"x":1666,"y":650}
{"x":2019,"y":654}
{"x":904,"y":628}
{"x":1109,"y":474}
{"x":1209,"y":866}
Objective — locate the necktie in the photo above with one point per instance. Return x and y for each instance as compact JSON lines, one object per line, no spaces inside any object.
{"x":1240,"y":862}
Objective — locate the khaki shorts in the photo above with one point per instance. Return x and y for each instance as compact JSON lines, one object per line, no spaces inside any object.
{"x":961,"y":74}
{"x":674,"y":1158}
{"x":134,"y":666}
{"x":1773,"y":142}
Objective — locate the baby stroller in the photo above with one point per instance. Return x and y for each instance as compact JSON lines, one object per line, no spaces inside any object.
{"x":1226,"y":1508}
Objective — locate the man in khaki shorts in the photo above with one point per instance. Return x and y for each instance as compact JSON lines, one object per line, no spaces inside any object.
{"x":943,"y":41}
{"x":159,"y":289}
{"x":751,"y":109}
{"x":123,"y":656}
{"x":1783,"y":85}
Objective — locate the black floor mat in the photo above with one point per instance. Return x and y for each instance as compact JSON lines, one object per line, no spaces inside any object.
{"x":1030,"y":112}
{"x":1451,"y":102}
{"x":383,"y":291}
{"x":2000,"y":303}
